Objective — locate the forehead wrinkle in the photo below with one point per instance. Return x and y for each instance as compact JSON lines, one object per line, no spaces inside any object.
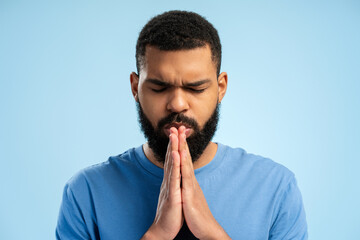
{"x":157,"y":82}
{"x":195,"y":83}
{"x":176,"y":69}
{"x":169,"y":76}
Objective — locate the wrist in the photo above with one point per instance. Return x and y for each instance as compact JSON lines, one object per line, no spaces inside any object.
{"x":153,"y":233}
{"x":148,"y":236}
{"x":217,"y":233}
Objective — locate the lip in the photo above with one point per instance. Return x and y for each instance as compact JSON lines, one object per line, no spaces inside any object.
{"x":188,"y":129}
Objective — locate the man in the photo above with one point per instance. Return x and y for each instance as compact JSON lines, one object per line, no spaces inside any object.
{"x":180,"y":184}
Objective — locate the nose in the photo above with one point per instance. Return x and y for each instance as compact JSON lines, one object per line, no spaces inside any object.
{"x":177,"y":101}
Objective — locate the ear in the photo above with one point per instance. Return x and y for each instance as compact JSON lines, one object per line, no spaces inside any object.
{"x":134,"y":82}
{"x":222,"y":85}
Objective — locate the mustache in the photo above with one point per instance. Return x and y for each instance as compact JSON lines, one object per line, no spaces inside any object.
{"x":178,"y":118}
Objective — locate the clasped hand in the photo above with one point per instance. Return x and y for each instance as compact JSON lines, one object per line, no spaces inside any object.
{"x":181,"y":198}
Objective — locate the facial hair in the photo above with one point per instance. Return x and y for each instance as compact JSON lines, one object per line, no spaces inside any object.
{"x":197,"y":141}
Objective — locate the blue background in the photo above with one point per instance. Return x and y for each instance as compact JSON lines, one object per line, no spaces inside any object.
{"x":65,"y":99}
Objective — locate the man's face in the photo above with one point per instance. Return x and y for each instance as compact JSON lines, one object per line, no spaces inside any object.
{"x":178,"y":88}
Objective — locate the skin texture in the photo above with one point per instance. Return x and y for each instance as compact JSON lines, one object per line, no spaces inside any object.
{"x":169,"y":217}
{"x":175,"y":73}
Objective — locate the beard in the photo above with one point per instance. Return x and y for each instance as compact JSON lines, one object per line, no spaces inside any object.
{"x":197,"y":141}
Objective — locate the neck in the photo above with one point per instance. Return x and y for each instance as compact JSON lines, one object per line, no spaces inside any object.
{"x":205,"y":158}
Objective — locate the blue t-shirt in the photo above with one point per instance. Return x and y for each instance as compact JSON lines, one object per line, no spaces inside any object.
{"x":251,"y":197}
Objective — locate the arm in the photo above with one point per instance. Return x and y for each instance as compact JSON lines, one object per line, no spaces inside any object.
{"x":290,"y":220}
{"x":70,"y":223}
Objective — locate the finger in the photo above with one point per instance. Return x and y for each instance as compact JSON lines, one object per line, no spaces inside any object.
{"x":166,"y":160}
{"x":174,"y":130}
{"x":174,"y":139}
{"x":168,"y":157}
{"x":182,"y":138}
{"x":187,"y":169}
{"x":175,"y":174}
{"x":183,"y":146}
{"x":187,"y":172}
{"x":174,"y":148}
{"x":181,"y":129}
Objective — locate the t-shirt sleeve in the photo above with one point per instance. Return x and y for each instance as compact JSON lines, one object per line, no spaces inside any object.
{"x":71,"y":222}
{"x":290,"y":219}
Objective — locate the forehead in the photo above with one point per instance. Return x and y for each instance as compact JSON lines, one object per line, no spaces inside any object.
{"x":184,"y":65}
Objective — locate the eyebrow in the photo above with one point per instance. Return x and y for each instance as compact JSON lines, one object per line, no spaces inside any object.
{"x":165,"y":84}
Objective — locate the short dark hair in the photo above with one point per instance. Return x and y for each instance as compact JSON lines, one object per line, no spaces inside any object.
{"x":178,"y":30}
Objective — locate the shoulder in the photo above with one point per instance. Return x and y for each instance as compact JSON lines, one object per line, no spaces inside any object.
{"x":250,"y":160}
{"x":257,"y":167}
{"x":104,"y":171}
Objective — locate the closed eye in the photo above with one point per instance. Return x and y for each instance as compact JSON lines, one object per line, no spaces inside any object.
{"x":158,"y":90}
{"x":189,"y":89}
{"x":197,"y":90}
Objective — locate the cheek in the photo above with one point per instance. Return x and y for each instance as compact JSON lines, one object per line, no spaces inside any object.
{"x":152,"y":107}
{"x":203,"y":107}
